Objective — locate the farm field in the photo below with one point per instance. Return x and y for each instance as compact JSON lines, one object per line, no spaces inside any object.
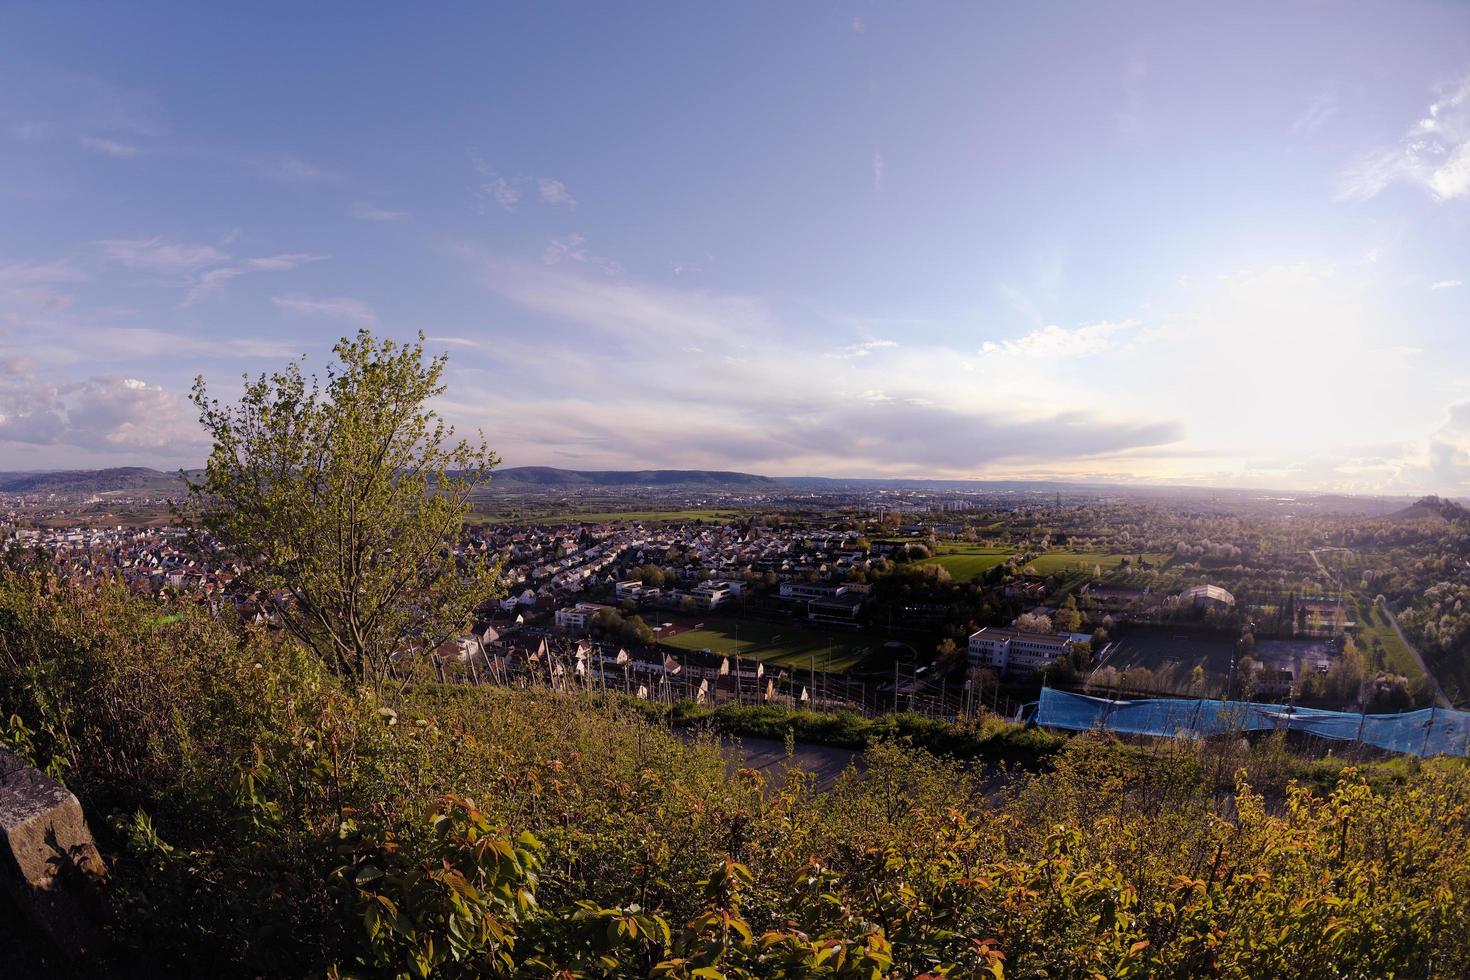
{"x":784,"y":644}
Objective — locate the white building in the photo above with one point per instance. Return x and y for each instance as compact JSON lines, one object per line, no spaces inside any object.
{"x":712,"y":595}
{"x":812,"y":590}
{"x":579,"y":617}
{"x":1207,"y":597}
{"x":1006,"y":649}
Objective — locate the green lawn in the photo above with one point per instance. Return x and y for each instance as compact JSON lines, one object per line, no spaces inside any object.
{"x":788,"y":645}
{"x":965,"y":561}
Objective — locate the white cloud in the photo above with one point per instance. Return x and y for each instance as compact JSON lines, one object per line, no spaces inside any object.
{"x":327,"y":308}
{"x":1445,"y":284}
{"x":371,"y":212}
{"x":1434,"y":153}
{"x":865,"y":348}
{"x":723,"y":381}
{"x":555,"y":193}
{"x":157,"y":255}
{"x":109,"y":413}
{"x":1053,"y":341}
{"x":858,"y":25}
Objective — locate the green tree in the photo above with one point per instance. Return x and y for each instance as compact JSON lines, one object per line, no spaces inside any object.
{"x":343,"y":503}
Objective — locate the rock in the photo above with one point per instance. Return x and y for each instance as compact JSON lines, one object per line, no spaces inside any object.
{"x":49,"y":864}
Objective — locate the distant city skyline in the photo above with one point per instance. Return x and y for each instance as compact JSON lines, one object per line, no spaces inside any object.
{"x":1149,"y":243}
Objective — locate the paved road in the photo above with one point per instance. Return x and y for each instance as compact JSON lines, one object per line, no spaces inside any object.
{"x":1439,"y":695}
{"x":769,"y":756}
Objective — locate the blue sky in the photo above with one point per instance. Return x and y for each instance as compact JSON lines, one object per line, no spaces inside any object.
{"x":1219,"y":244}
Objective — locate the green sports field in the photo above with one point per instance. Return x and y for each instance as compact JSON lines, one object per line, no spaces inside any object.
{"x":788,"y":645}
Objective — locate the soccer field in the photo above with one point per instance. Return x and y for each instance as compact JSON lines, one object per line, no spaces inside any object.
{"x":788,"y":645}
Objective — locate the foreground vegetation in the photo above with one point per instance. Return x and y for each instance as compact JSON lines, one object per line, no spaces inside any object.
{"x":262,"y":818}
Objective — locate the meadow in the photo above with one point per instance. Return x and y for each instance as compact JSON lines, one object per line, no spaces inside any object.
{"x":964,"y":561}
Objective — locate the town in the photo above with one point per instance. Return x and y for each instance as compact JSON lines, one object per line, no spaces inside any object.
{"x":874,"y":600}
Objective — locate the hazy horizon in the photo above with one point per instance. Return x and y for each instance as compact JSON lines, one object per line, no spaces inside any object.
{"x":1151,"y":244}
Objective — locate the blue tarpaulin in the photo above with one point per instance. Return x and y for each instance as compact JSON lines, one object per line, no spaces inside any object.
{"x":1426,"y":732}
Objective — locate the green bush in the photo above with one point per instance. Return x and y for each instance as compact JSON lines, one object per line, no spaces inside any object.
{"x":259,"y":819}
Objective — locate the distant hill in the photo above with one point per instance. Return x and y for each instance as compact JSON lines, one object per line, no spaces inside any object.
{"x":136,"y":478}
{"x":550,"y":476}
{"x":1430,"y":509}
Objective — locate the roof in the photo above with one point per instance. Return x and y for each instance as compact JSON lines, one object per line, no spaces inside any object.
{"x":1004,"y":633}
{"x":1207,"y":592}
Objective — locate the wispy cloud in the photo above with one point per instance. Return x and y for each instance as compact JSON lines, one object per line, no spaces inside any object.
{"x":878,"y":170}
{"x":158,"y":255}
{"x":287,"y":168}
{"x":371,"y":212}
{"x":555,"y":193}
{"x":1434,"y":154}
{"x":112,"y":148}
{"x":215,"y":279}
{"x":1316,"y":115}
{"x":326,"y":308}
{"x":1445,"y":284}
{"x":501,"y":192}
{"x":573,"y":248}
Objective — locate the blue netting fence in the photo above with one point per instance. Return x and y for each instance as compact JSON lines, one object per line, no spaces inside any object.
{"x":1426,"y":732}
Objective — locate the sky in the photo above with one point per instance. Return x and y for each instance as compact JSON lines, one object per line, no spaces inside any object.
{"x":1169,"y":243}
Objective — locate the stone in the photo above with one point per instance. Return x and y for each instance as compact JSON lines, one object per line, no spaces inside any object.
{"x":49,"y":864}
